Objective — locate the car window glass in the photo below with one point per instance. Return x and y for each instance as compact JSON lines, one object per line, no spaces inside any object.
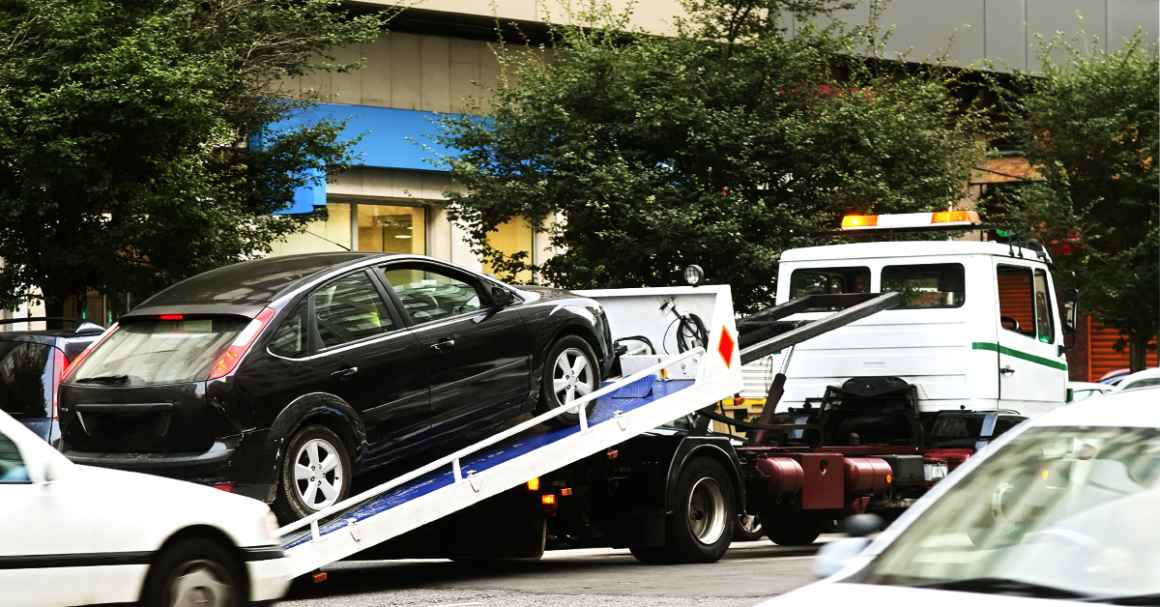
{"x":12,"y":468}
{"x":1044,"y":326}
{"x":1016,"y":300}
{"x":290,"y":338}
{"x":428,"y":295}
{"x":150,"y":351}
{"x":349,"y":309}
{"x":937,"y":285}
{"x":1143,"y":383}
{"x":26,"y":381}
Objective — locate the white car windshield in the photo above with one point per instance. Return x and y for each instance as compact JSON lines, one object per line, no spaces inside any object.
{"x":1056,"y":513}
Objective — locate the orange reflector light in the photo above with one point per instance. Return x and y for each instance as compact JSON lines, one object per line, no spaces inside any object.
{"x":548,"y":499}
{"x":534,"y":484}
{"x":566,"y":491}
{"x":889,"y":478}
{"x":955,"y":217}
{"x":319,"y":577}
{"x":613,"y":454}
{"x":854,"y":222}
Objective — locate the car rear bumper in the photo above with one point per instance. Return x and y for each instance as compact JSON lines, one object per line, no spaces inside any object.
{"x":241,"y":464}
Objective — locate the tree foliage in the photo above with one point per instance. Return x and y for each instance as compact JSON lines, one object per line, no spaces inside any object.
{"x":1090,"y":127}
{"x":125,"y":128}
{"x":722,"y":145}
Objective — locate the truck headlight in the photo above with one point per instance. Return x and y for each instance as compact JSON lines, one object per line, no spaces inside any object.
{"x":694,"y":275}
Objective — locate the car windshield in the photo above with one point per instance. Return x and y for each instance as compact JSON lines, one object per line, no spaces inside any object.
{"x":157,"y":352}
{"x":25,"y":379}
{"x":1068,"y":511}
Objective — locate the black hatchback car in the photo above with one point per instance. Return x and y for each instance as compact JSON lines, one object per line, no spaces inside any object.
{"x":33,"y":359}
{"x":282,"y":378}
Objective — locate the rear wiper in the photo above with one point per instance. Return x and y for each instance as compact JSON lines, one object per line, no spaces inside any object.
{"x":104,"y":379}
{"x":1005,"y":586}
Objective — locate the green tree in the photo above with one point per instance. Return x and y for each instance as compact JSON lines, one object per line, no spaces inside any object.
{"x":1089,"y":125}
{"x":125,"y":135}
{"x":722,"y":145}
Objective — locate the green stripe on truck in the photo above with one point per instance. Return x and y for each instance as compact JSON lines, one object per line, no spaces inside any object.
{"x":994,"y":347}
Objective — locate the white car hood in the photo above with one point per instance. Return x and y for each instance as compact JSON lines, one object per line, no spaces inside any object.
{"x":877,"y":595}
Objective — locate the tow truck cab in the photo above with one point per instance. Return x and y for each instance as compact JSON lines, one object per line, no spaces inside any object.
{"x":870,"y":414}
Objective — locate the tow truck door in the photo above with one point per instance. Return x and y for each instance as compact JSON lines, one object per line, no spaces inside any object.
{"x":1032,"y":365}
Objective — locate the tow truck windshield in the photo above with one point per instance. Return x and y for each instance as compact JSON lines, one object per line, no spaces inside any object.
{"x":1058,"y":512}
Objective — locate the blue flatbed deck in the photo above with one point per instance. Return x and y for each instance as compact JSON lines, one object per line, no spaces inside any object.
{"x":624,"y":399}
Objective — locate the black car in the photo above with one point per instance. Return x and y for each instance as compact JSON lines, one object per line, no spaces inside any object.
{"x":32,"y":363}
{"x":282,"y":378}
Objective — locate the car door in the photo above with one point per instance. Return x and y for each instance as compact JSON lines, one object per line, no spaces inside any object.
{"x":369,"y":358}
{"x":1032,"y":365}
{"x":482,"y":352}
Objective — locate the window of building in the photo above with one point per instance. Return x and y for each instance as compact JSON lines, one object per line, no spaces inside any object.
{"x":429,"y":295}
{"x":391,"y":228}
{"x":349,"y":309}
{"x":824,"y":281}
{"x":1044,"y":324}
{"x":510,"y":237}
{"x":936,"y":285}
{"x":1016,"y":300}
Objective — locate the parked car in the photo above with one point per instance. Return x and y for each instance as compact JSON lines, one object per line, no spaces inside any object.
{"x":282,"y":378}
{"x":33,"y":359}
{"x":1140,"y":379}
{"x":1114,"y":376}
{"x":1082,"y":390}
{"x":1061,"y":507}
{"x":75,"y":535}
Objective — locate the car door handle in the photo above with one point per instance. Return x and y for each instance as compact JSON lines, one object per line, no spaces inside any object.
{"x":345,"y":373}
{"x":1006,"y":370}
{"x":443,"y":345}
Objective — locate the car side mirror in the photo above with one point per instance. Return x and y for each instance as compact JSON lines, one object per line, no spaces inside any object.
{"x":1071,"y":311}
{"x":501,"y":297}
{"x":834,"y":556}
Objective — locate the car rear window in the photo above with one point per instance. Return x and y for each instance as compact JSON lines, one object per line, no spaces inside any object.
{"x":153,"y":352}
{"x":25,"y":379}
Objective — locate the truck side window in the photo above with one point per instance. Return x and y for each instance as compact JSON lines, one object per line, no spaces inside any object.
{"x":936,"y":285}
{"x":1043,"y":321}
{"x":826,"y":281}
{"x":1016,"y":300}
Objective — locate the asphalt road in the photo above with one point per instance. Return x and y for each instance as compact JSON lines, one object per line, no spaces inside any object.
{"x":750,"y":572}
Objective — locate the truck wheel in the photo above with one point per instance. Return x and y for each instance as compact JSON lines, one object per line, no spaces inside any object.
{"x":792,"y":532}
{"x":194,"y":572}
{"x":652,"y":555}
{"x":704,"y":513}
{"x":315,"y":473}
{"x":570,"y":372}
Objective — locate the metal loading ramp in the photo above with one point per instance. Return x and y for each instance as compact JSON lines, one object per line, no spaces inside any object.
{"x":623,"y":409}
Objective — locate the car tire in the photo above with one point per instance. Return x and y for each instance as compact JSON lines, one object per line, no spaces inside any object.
{"x":700,"y":528}
{"x":308,"y":480}
{"x":195,"y":572}
{"x":570,"y":366}
{"x":651,"y":555}
{"x":792,"y":532}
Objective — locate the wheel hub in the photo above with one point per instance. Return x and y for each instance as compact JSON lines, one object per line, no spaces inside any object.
{"x":707,"y":511}
{"x":199,"y":586}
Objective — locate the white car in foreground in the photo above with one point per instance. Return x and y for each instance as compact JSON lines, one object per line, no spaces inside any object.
{"x":75,"y":535}
{"x":1062,"y":507}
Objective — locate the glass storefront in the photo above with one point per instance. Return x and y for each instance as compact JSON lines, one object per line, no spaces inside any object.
{"x":510,"y":237}
{"x":391,"y":229}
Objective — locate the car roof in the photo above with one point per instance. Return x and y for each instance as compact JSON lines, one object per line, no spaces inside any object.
{"x":1131,"y":409}
{"x":243,"y":288}
{"x":1087,"y":385}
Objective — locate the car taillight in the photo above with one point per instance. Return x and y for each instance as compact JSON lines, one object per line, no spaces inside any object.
{"x":228,"y":361}
{"x":76,"y":362}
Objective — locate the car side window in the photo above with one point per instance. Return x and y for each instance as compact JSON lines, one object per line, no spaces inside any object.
{"x":430,"y":294}
{"x":1043,"y":319}
{"x":290,"y":338}
{"x":1016,"y":300}
{"x":349,"y":309}
{"x":12,"y":468}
